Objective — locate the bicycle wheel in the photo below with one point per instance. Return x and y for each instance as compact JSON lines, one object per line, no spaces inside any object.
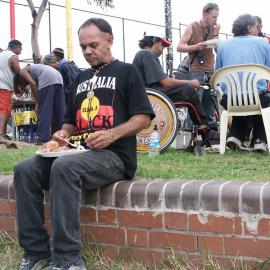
{"x":166,"y":120}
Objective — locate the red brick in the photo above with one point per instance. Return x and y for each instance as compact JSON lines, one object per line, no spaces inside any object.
{"x":12,"y":209}
{"x":247,"y":247}
{"x":177,"y":241}
{"x":231,"y":263}
{"x":88,"y":214}
{"x":7,"y":224}
{"x":107,"y":216}
{"x":262,"y":228}
{"x":238,"y":263}
{"x":176,"y":221}
{"x":143,"y":219}
{"x":216,"y":224}
{"x":211,"y":244}
{"x":109,"y":251}
{"x":195,"y":261}
{"x":4,"y":208}
{"x":106,"y":235}
{"x":137,"y":238}
{"x":141,"y":255}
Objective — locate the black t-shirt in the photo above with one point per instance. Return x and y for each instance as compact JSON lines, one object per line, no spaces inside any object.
{"x":149,"y":67}
{"x":119,"y":93}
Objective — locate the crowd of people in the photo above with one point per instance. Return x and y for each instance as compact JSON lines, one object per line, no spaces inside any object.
{"x":106,"y":106}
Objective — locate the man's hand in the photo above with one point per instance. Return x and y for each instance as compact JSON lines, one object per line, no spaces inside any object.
{"x":201,"y":46}
{"x":59,"y":136}
{"x":100,"y":139}
{"x":196,"y":84}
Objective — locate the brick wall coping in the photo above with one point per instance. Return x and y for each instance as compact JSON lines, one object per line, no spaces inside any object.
{"x":226,"y":197}
{"x":151,"y":216}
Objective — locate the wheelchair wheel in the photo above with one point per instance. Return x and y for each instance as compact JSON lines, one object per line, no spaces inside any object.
{"x":166,"y":120}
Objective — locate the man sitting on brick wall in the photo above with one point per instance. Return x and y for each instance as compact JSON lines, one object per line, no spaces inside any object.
{"x":108,"y":106}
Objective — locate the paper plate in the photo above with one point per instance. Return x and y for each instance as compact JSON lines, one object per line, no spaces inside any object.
{"x":61,"y":153}
{"x":211,"y":43}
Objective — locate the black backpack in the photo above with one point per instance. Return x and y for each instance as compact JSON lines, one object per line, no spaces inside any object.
{"x":69,"y":71}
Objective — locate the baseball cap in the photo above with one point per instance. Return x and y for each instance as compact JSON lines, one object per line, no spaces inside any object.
{"x":160,"y":35}
{"x":59,"y":51}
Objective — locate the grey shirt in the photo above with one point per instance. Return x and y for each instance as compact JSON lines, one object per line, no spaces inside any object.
{"x":6,"y":72}
{"x":45,"y":75}
{"x":149,"y":67}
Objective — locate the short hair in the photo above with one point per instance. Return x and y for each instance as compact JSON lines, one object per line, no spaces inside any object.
{"x":100,"y":23}
{"x":147,"y":42}
{"x":259,"y":19}
{"x":19,"y":83}
{"x":240,"y":25}
{"x":59,"y":52}
{"x":209,"y":7}
{"x":49,"y":59}
{"x":14,"y":43}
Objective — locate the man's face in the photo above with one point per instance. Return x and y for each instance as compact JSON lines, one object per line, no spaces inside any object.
{"x":17,"y":49}
{"x":95,"y":45}
{"x":211,"y":17}
{"x":159,"y":48}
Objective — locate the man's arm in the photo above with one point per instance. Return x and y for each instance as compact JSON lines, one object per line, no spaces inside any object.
{"x":184,"y":47}
{"x":103,"y":138}
{"x":26,"y":75}
{"x":66,"y":131}
{"x":14,"y":63}
{"x":170,"y":82}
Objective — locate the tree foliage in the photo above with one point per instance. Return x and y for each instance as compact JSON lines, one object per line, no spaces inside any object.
{"x":102,"y":3}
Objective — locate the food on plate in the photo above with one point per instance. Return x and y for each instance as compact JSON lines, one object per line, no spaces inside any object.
{"x":211,"y":43}
{"x":78,"y":146}
{"x":51,"y":146}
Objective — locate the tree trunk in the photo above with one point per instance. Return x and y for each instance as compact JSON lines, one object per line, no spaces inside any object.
{"x":37,"y":16}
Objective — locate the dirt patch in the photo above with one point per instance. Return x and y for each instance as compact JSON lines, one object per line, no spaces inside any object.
{"x":13,"y":144}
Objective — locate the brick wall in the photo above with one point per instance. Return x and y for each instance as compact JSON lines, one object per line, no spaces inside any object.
{"x":146,"y":219}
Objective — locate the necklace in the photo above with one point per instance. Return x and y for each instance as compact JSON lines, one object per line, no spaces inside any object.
{"x":206,"y":33}
{"x":95,"y":72}
{"x":91,"y":101}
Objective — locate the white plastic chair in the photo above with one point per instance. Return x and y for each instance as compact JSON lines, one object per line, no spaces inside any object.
{"x":242,"y":95}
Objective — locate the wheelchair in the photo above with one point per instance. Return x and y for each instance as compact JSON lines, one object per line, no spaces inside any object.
{"x":166,"y":120}
{"x":171,"y":119}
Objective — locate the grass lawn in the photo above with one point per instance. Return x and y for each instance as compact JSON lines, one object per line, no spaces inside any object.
{"x":177,"y":164}
{"x":11,"y":255}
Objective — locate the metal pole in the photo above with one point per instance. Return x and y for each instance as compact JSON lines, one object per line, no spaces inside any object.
{"x":180,"y":36}
{"x":69,"y":30}
{"x":168,"y":32}
{"x":50,"y":26}
{"x":12,"y":18}
{"x":124,"y":48}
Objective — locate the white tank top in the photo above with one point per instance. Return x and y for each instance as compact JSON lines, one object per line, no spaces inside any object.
{"x":6,"y":72}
